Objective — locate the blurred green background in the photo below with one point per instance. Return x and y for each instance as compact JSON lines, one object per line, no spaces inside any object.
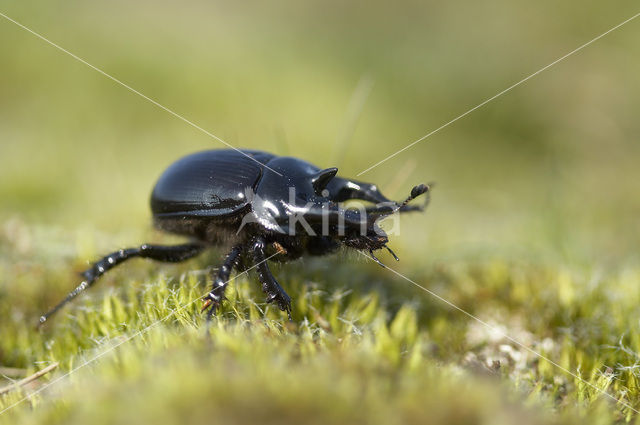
{"x":550,"y":166}
{"x":546,"y":174}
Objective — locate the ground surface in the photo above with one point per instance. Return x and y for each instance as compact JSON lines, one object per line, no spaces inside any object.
{"x":375,"y":350}
{"x":532,"y":227}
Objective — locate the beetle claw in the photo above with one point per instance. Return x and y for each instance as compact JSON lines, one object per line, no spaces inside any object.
{"x":285,"y":305}
{"x":283,"y":301}
{"x":289,"y":314}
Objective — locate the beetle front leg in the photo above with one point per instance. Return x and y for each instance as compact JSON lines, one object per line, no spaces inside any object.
{"x":220,"y":281}
{"x":270,"y":285}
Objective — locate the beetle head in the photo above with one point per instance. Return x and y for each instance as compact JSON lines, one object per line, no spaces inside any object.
{"x":374,"y":237}
{"x":295,"y":201}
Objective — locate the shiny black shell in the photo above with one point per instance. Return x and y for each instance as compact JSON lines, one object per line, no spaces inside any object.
{"x":207,"y":184}
{"x":225,"y":195}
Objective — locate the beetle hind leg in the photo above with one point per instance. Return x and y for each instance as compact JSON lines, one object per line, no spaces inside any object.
{"x":168,"y":254}
{"x":214,"y":298}
{"x":270,"y":286}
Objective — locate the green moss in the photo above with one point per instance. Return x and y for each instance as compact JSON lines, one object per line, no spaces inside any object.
{"x":369,"y":352}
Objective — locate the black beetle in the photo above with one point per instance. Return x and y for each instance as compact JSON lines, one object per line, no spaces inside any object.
{"x":259,"y":205}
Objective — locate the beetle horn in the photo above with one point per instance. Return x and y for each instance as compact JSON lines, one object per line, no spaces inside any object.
{"x":322,"y":178}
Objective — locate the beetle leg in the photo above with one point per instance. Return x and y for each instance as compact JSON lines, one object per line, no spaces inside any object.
{"x":220,"y":281}
{"x":169,"y":254}
{"x":270,"y":285}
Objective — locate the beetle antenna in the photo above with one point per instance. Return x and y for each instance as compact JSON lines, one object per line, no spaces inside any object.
{"x":397,"y":207}
{"x":415,"y":192}
{"x":392,"y":253}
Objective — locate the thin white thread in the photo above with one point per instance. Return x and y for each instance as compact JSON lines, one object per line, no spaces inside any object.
{"x":502,"y":334}
{"x":129,"y":338}
{"x":175,"y":114}
{"x":500,"y":94}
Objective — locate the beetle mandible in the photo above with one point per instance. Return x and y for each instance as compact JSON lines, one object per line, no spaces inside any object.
{"x":256,"y":204}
